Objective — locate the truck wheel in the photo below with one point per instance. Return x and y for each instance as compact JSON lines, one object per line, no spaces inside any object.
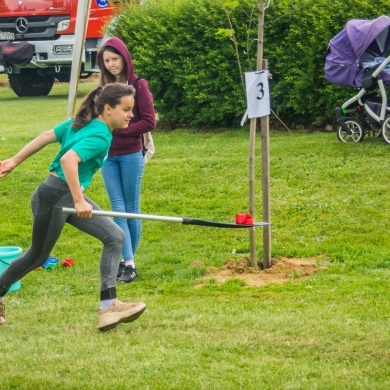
{"x":29,"y":82}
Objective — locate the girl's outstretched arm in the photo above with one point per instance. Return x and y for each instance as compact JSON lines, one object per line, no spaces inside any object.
{"x":31,"y":148}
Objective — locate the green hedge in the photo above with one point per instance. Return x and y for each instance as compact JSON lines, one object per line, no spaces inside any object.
{"x":183,"y":48}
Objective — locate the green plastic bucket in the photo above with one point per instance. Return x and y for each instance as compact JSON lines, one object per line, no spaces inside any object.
{"x":7,"y":255}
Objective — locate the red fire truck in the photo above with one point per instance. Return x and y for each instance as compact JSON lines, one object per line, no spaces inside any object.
{"x":45,"y":31}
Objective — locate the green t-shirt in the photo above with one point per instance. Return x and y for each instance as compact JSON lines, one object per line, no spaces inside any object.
{"x":91,"y":143}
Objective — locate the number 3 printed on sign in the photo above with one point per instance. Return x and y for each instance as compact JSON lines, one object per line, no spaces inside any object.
{"x":261,"y":91}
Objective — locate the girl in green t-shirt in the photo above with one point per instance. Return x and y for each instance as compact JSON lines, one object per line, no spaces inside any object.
{"x":84,"y":142}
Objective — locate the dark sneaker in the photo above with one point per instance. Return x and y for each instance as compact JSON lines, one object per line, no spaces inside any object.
{"x":119,"y":312}
{"x":121,"y":269}
{"x":2,"y":312}
{"x":128,"y":275}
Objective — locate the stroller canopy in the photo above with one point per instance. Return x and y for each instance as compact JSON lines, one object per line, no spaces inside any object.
{"x":360,"y":41}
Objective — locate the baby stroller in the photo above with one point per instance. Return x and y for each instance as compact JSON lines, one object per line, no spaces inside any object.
{"x":356,"y":57}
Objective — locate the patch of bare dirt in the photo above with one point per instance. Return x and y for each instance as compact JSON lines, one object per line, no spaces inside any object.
{"x":281,"y":270}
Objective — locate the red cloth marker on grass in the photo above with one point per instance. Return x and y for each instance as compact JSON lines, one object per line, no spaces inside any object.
{"x":69,"y":262}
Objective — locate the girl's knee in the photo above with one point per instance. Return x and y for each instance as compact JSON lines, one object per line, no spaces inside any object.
{"x":119,"y":235}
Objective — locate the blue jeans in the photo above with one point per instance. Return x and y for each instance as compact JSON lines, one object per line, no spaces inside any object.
{"x":122,"y":177}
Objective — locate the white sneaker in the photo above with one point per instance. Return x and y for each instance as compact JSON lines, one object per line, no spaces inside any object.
{"x":119,"y":312}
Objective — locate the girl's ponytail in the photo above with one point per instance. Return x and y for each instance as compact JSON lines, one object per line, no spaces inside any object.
{"x":87,"y":110}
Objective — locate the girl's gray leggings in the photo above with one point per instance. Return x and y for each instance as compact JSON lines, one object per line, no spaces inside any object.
{"x":48,"y":221}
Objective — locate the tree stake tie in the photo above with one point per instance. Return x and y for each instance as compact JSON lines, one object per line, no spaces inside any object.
{"x":242,"y":220}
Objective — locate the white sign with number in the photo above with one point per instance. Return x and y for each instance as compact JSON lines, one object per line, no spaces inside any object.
{"x":257,"y":94}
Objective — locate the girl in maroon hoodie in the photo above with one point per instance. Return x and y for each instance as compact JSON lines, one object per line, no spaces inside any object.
{"x":123,"y":169}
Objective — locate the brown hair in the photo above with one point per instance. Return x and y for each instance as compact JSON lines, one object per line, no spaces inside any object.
{"x":106,"y":77}
{"x":93,"y":104}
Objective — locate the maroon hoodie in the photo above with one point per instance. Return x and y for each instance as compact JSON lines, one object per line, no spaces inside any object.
{"x":129,"y":140}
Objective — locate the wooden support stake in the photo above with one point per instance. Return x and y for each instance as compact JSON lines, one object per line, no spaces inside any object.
{"x":252,"y":142}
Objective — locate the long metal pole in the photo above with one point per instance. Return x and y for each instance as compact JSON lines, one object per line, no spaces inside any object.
{"x":183,"y":220}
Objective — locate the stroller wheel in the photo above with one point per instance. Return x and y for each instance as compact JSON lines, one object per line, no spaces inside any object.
{"x":386,"y":130}
{"x":374,"y":132}
{"x":353,"y":133}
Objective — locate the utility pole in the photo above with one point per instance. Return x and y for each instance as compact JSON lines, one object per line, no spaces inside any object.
{"x":83,"y":8}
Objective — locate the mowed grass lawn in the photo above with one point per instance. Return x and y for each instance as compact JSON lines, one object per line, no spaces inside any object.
{"x":329,"y":331}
